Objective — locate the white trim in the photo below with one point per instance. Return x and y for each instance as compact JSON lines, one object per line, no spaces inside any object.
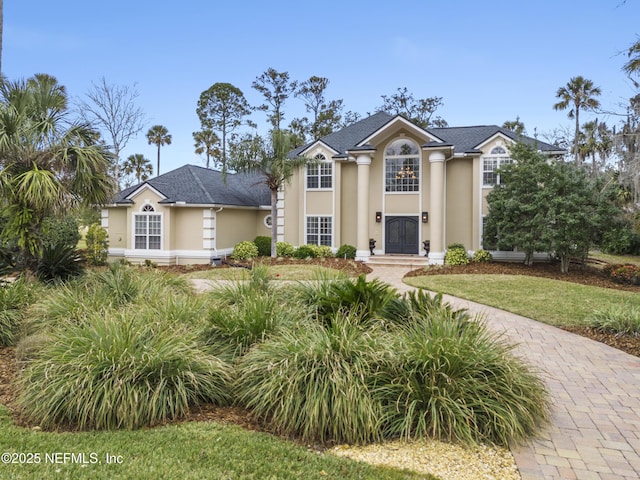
{"x":405,"y":123}
{"x":307,"y":216}
{"x":142,"y":189}
{"x":492,"y":138}
{"x":104,"y":218}
{"x":317,"y":144}
{"x":147,"y":214}
{"x":264,"y":221}
{"x":209,"y":225}
{"x":167,"y":254}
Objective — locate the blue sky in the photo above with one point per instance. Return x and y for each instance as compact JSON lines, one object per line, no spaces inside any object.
{"x":490,"y":61}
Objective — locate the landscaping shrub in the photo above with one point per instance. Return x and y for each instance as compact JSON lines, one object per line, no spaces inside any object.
{"x":621,"y":241}
{"x":15,"y":297}
{"x":367,"y":299}
{"x":482,"y":256}
{"x":58,"y":263}
{"x":232,"y":329}
{"x":323,"y":251}
{"x":245,"y":251}
{"x":456,"y":255}
{"x":454,"y":380}
{"x":616,"y":319}
{"x":626,"y":274}
{"x":60,"y":231}
{"x":264,"y":246}
{"x":119,"y":371}
{"x":346,"y":251}
{"x":311,"y":381}
{"x":305,"y":251}
{"x":284,"y":249}
{"x":97,"y":241}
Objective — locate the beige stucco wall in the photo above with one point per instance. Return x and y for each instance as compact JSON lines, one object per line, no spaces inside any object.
{"x":117,"y":227}
{"x":319,"y":202}
{"x":459,"y":202}
{"x":235,"y":225}
{"x":151,"y":197}
{"x":348,"y":212}
{"x":293,"y":208}
{"x":187,"y":228}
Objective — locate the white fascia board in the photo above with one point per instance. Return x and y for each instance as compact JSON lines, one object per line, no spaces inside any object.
{"x":319,"y":144}
{"x":144,"y":187}
{"x":492,"y":138}
{"x":421,"y":132}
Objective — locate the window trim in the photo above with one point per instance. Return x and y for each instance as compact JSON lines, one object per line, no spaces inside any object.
{"x":500,"y":160}
{"x":146,"y":211}
{"x":319,"y":175}
{"x":319,"y":234}
{"x":416,"y":157}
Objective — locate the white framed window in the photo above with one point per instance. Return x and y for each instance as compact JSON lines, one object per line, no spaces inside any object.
{"x":320,"y":174}
{"x":147,"y":229}
{"x":319,"y":231}
{"x":268,"y":221}
{"x":498,"y":157}
{"x":402,"y":166}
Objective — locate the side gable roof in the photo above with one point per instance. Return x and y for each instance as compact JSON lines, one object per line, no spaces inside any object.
{"x":197,"y":185}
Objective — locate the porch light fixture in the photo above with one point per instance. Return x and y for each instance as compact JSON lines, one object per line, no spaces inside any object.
{"x":378,"y":217}
{"x":425,"y":217}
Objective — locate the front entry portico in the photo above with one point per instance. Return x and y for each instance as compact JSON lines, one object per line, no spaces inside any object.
{"x":401,"y":235}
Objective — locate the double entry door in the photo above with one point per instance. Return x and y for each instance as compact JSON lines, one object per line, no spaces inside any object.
{"x":401,"y":235}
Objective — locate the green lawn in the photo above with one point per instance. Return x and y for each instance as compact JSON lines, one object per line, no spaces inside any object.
{"x":550,"y":301}
{"x":186,"y":451}
{"x":605,"y":257}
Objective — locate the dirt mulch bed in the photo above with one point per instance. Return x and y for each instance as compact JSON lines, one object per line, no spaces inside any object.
{"x":582,"y":274}
{"x":349,"y":267}
{"x":626,"y":343}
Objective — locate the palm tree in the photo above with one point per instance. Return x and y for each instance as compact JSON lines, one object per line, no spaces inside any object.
{"x":206,"y":142}
{"x":633,"y":65}
{"x":595,"y":142}
{"x":139,"y":166}
{"x":48,"y":162}
{"x":578,"y":93}
{"x":158,"y":135}
{"x":270,"y":160}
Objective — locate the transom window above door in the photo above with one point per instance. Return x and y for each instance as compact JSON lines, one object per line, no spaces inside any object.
{"x":402,"y":166}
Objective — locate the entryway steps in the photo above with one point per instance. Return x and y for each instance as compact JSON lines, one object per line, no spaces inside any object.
{"x":398,"y":260}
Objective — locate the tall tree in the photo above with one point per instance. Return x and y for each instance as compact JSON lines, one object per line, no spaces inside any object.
{"x":420,"y":111}
{"x":221,"y":108}
{"x":596,"y":143}
{"x":516,"y":126}
{"x":1,"y":31}
{"x":276,"y":88}
{"x":269,"y":159}
{"x":139,"y":166}
{"x":158,"y":135}
{"x":49,"y":162}
{"x":112,"y":110}
{"x":578,"y":94}
{"x":206,"y":142}
{"x":632,"y":67}
{"x":627,"y":148}
{"x":326,"y":115}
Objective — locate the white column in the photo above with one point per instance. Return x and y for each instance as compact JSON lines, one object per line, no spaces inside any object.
{"x":436,"y":215}
{"x":362,"y":237}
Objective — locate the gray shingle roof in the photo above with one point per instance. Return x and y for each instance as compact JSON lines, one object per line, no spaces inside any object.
{"x":463,"y":139}
{"x":197,"y":185}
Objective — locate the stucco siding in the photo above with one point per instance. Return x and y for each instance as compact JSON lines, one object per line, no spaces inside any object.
{"x":117,"y":227}
{"x":348,"y":206}
{"x":319,"y":203}
{"x":459,"y":202}
{"x":187,"y":228}
{"x":235,"y":225}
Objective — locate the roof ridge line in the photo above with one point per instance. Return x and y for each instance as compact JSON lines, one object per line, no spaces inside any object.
{"x":200,"y":184}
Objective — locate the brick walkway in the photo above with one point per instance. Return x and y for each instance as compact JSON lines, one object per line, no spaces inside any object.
{"x":595,"y":426}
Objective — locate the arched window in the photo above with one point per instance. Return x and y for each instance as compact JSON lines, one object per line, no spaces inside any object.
{"x":320,"y":174}
{"x":147,"y":229}
{"x":498,"y":157}
{"x":402,"y":166}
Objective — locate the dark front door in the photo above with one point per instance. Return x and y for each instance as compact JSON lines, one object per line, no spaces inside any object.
{"x":401,"y":235}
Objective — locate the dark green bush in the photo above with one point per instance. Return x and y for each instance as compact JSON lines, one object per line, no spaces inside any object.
{"x":264,"y":246}
{"x":621,"y":241}
{"x":305,"y":251}
{"x":346,"y":251}
{"x":60,"y":231}
{"x":59,"y":263}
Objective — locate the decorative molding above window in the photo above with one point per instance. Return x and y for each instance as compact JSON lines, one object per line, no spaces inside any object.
{"x":497,"y":158}
{"x":320,"y":174}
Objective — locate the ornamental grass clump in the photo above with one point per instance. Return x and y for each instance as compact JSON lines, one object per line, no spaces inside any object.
{"x":119,"y":371}
{"x":310,"y":380}
{"x":15,"y":297}
{"x":451,"y":379}
{"x":616,"y":319}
